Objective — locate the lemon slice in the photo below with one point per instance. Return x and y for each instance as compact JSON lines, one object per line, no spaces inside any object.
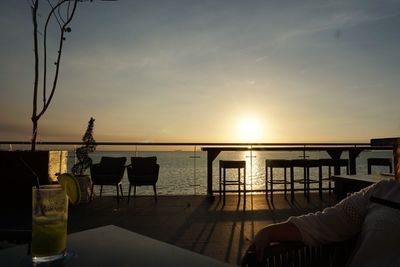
{"x":71,"y":185}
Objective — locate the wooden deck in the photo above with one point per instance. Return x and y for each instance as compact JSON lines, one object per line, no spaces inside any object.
{"x":195,"y":222}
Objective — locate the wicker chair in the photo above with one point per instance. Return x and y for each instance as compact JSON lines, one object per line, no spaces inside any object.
{"x":297,"y":254}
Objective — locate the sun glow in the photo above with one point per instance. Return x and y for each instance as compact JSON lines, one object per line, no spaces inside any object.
{"x":249,"y":130}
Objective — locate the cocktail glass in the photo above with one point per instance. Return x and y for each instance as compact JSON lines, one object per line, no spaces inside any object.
{"x":49,"y":223}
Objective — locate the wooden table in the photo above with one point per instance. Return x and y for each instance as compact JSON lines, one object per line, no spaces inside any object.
{"x":114,"y":246}
{"x":334,"y":151}
{"x":345,"y":184}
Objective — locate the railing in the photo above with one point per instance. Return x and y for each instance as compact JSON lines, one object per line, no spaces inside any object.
{"x":199,"y":144}
{"x":189,"y":167}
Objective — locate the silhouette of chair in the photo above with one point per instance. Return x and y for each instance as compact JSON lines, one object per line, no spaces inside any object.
{"x":109,"y":171}
{"x":307,"y":165}
{"x":331,"y":164}
{"x":379,"y":162}
{"x":231,"y":180}
{"x":141,"y":172}
{"x":270,"y":165}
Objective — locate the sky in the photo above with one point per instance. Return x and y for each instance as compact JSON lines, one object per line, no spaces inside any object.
{"x":211,"y":71}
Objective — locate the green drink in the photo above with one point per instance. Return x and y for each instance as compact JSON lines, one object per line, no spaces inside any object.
{"x":48,"y":236}
{"x":49,"y":223}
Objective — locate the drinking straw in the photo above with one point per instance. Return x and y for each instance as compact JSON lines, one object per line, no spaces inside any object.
{"x":37,"y":182}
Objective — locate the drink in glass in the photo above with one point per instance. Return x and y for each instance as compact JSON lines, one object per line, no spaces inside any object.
{"x":49,"y":223}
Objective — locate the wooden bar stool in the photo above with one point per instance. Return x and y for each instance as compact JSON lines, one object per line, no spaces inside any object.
{"x":307,"y":165}
{"x":331,"y":164}
{"x":379,"y":162}
{"x":232,"y":180}
{"x":285,"y":165}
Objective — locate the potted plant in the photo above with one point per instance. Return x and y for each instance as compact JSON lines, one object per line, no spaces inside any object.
{"x":84,"y":161}
{"x":82,"y":153}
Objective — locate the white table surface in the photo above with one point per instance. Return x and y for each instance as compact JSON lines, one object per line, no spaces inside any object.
{"x":114,"y":246}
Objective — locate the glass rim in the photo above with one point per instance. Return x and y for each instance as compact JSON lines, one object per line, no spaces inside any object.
{"x":48,"y":187}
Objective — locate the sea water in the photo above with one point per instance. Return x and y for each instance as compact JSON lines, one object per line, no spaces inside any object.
{"x":185,"y":172}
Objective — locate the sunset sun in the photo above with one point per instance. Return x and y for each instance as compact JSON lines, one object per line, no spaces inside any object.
{"x":249,"y":130}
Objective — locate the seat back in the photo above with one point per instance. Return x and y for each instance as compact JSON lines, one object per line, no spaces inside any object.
{"x":143,"y":165}
{"x":143,"y":170}
{"x":110,"y":169}
{"x":112,"y":165}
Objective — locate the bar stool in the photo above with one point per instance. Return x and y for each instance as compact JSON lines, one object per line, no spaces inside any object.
{"x":270,"y":165}
{"x":379,"y":162}
{"x":332,"y":164}
{"x":307,"y":165}
{"x":224,"y":181}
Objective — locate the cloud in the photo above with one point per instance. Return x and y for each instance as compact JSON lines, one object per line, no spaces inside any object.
{"x":334,"y":20}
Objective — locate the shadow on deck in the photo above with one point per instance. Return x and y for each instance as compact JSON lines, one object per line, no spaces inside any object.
{"x":195,"y":222}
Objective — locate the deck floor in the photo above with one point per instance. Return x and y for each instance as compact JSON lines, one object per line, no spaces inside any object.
{"x":196,"y":223}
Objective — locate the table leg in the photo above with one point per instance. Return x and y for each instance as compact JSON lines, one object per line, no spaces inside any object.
{"x":335,"y":154}
{"x":353,"y":154}
{"x":211,"y":155}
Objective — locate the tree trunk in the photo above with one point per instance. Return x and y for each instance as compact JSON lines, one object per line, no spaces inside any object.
{"x":34,"y":133}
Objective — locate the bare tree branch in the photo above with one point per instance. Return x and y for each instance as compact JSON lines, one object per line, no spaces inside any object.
{"x":63,"y":19}
{"x":34,"y":9}
{"x":63,"y":28}
{"x":61,"y":42}
{"x":58,"y":20}
{"x":51,"y":14}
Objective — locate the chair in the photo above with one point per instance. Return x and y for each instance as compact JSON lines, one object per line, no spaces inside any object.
{"x":270,"y":165}
{"x":224,"y":180}
{"x":109,"y":171}
{"x":307,"y":165}
{"x":379,"y":162}
{"x":297,"y":254}
{"x":143,"y":171}
{"x":333,"y":164}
